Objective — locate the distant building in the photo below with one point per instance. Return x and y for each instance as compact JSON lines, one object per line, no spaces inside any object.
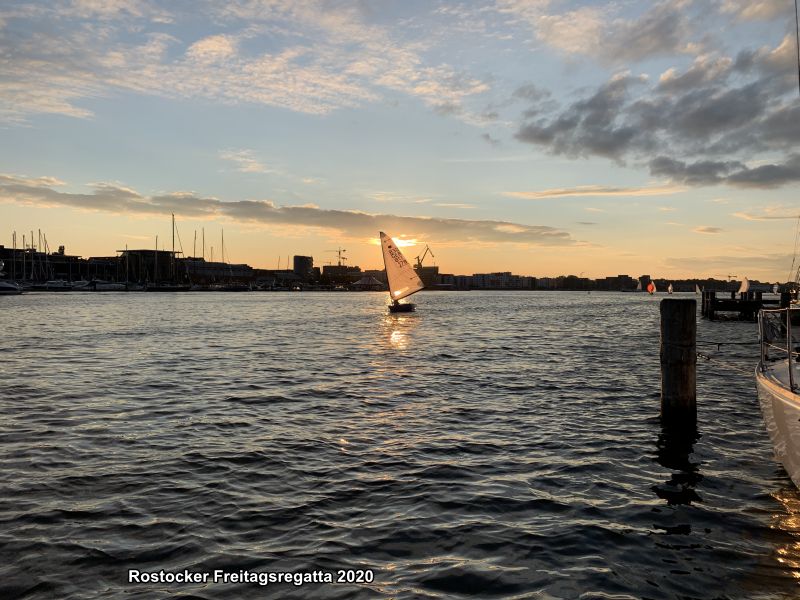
{"x":200,"y":271}
{"x":429,"y":275}
{"x":304,"y":267}
{"x":341,"y":274}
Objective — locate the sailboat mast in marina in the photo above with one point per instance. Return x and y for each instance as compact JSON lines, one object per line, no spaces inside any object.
{"x":403,"y":281}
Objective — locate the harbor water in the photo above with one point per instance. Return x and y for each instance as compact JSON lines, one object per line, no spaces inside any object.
{"x":492,"y":445}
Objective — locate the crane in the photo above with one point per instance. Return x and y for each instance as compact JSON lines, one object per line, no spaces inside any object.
{"x":424,"y":254}
{"x":340,"y":252}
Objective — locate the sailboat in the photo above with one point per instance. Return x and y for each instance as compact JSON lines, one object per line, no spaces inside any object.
{"x":744,"y":287}
{"x":639,"y":286}
{"x":697,"y":289}
{"x":403,"y":281}
{"x":651,"y":288}
{"x":669,"y":288}
{"x":777,"y":378}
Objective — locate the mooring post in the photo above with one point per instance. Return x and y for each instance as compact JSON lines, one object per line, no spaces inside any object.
{"x":679,"y":361}
{"x":711,"y":311}
{"x":786,"y":299}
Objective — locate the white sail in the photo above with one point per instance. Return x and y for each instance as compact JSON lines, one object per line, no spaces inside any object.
{"x":669,"y":288}
{"x":403,"y":281}
{"x":697,"y":289}
{"x":639,"y":286}
{"x":745,"y":286}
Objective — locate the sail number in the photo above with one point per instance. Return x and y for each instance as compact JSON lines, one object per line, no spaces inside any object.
{"x":397,"y":256}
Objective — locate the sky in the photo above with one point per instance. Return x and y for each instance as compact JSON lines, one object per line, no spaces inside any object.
{"x":542,"y":137}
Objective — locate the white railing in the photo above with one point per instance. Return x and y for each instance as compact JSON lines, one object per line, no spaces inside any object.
{"x":775,"y":333}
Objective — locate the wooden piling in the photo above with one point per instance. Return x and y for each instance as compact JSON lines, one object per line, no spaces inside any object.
{"x":679,"y":361}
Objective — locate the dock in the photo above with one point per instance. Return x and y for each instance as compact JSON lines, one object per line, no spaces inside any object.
{"x":746,"y":305}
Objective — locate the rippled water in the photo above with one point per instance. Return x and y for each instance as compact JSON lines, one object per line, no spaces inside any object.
{"x":488,"y":445}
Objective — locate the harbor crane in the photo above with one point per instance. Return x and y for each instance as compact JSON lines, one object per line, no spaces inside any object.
{"x":340,"y":253}
{"x":424,"y":254}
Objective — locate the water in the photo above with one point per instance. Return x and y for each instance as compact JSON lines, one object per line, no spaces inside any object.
{"x":493,"y":445}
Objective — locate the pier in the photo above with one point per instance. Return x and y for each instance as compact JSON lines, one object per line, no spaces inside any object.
{"x":745,"y":305}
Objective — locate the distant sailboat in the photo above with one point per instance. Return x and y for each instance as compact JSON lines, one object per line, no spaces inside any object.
{"x":744,"y":287}
{"x":403,"y":281}
{"x":669,"y":288}
{"x":639,"y":286}
{"x":697,"y":289}
{"x":651,"y":288}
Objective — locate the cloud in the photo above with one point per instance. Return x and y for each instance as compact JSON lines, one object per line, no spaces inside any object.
{"x":762,"y":266}
{"x":114,"y":9}
{"x":708,"y":229}
{"x":245,"y":161}
{"x":490,"y":140}
{"x":597,"y":191}
{"x":322,"y":57}
{"x":713,"y":123}
{"x":589,"y":126}
{"x":770,"y":213}
{"x":732,"y":172}
{"x":112,"y":198}
{"x":595,"y":31}
{"x":212,"y":49}
{"x":755,"y":10}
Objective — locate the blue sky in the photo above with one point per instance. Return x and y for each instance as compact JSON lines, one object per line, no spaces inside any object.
{"x":539,"y":136}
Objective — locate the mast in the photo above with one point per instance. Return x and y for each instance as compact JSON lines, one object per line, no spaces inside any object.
{"x":172,"y":266}
{"x":194,"y":246}
{"x":204,"y":243}
{"x":155,"y":263}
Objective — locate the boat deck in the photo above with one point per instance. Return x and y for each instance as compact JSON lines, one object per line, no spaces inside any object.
{"x":777,"y":372}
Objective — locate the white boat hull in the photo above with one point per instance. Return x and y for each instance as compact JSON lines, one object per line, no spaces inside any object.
{"x":781,"y":409}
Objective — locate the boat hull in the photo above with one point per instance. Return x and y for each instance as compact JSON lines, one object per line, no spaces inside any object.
{"x":402,"y":308}
{"x":781,"y":410}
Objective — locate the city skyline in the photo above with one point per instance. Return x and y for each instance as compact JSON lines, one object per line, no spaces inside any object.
{"x":541,"y":137}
